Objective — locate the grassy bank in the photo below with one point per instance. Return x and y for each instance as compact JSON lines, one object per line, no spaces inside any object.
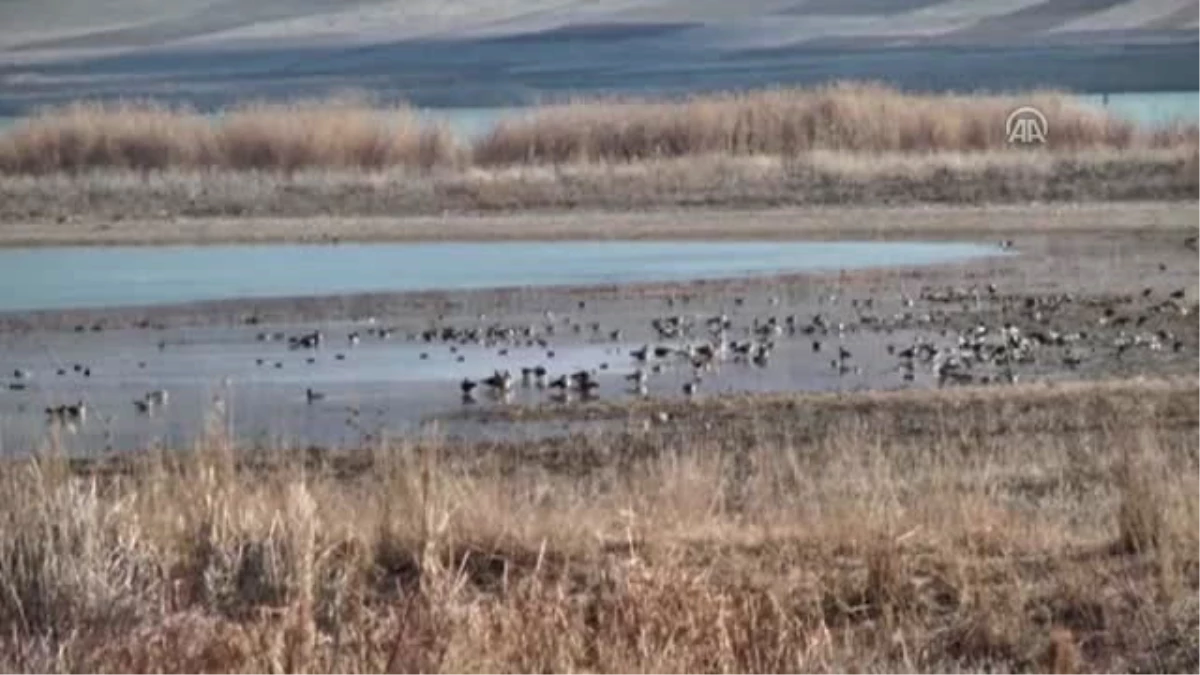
{"x":948,"y":539}
{"x":848,"y":143}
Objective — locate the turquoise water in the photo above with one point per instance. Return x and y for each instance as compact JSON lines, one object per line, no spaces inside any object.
{"x":59,"y":278}
{"x":1150,"y":109}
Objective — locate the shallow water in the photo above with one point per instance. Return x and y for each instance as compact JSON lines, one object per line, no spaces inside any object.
{"x":255,"y":390}
{"x":59,"y":278}
{"x":1156,"y":108}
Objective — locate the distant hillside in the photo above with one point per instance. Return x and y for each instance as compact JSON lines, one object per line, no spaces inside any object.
{"x":479,"y":52}
{"x":45,"y":25}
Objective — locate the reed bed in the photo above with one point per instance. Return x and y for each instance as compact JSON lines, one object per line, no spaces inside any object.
{"x":849,"y":117}
{"x":1064,"y":544}
{"x":349,"y":133}
{"x":147,"y":137}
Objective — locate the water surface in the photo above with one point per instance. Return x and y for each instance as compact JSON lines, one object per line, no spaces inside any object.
{"x":67,"y":277}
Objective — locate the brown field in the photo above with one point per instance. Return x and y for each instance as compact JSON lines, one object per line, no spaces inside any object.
{"x":1024,"y":528}
{"x":850,"y":143}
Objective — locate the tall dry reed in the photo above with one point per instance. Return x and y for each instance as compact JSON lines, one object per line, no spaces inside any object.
{"x":846,"y":117}
{"x":348,"y":133}
{"x":145,"y":136}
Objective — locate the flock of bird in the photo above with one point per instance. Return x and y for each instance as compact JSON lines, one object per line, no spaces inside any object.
{"x":980,"y":353}
{"x":989,"y":341}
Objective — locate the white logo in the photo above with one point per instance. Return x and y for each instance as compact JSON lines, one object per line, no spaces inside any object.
{"x":1026,"y":125}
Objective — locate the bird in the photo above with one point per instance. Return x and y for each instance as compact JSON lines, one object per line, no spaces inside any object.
{"x":77,"y":412}
{"x":499,"y":380}
{"x":690,"y":388}
{"x":312,"y":396}
{"x":68,"y":412}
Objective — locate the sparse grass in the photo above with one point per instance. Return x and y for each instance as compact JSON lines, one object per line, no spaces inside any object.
{"x":728,"y":548}
{"x":818,"y":179}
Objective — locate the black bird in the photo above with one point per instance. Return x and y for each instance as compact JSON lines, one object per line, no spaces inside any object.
{"x":311,"y":396}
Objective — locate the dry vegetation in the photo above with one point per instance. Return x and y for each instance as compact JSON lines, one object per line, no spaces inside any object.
{"x":722,"y":182}
{"x":139,"y":136}
{"x":346,"y":132}
{"x":853,"y":118}
{"x":911,"y":533}
{"x":831,"y":145}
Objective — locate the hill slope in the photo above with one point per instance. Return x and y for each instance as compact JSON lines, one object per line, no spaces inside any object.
{"x":469,"y":52}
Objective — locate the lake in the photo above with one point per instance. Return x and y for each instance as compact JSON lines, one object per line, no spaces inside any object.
{"x":69,"y":277}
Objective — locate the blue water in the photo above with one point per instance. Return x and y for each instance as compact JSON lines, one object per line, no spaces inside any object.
{"x":1150,"y":109}
{"x":58,"y":278}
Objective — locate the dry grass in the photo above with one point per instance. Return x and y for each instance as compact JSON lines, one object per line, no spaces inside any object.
{"x":1062,"y":546}
{"x":347,"y":133}
{"x":818,"y":179}
{"x":848,"y":117}
{"x":341,"y":133}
